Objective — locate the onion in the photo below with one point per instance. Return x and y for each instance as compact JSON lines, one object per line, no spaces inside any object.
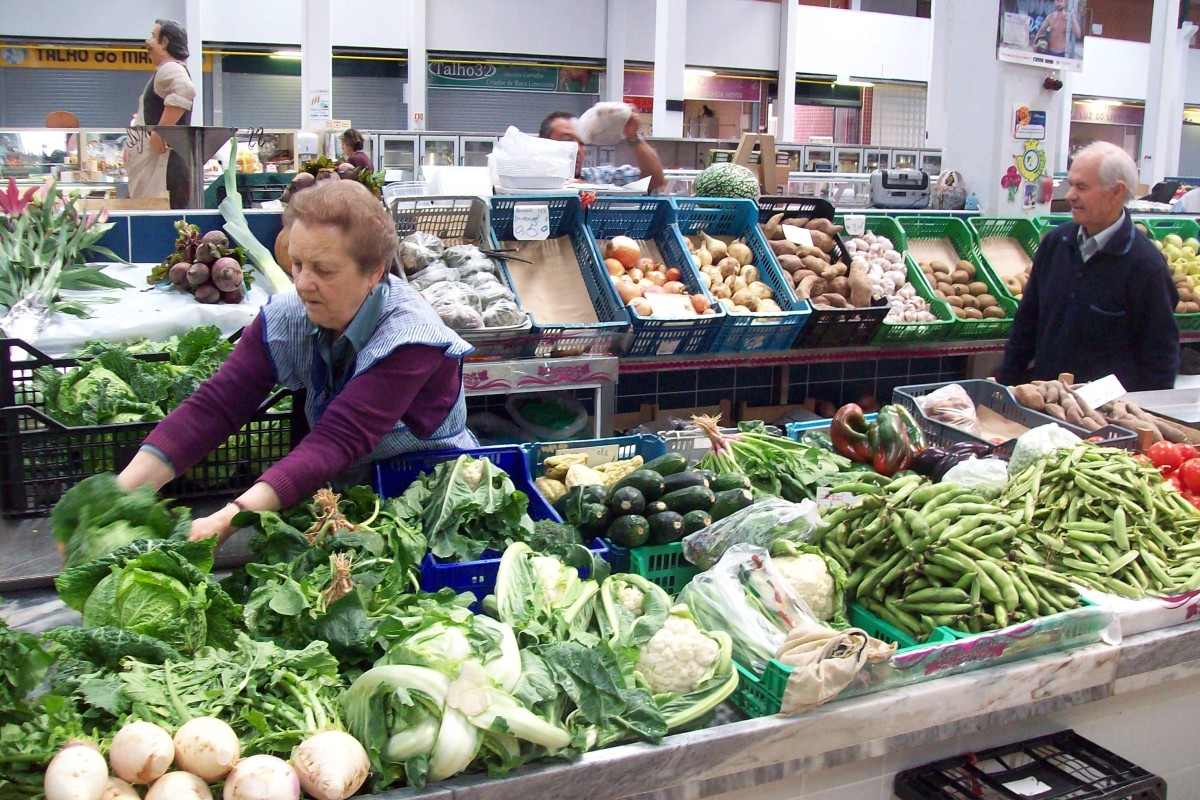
{"x":674,"y":287}
{"x":642,"y":307}
{"x":647,"y":264}
{"x":614,"y":267}
{"x":179,"y":786}
{"x":141,"y":752}
{"x":700,"y":303}
{"x":623,"y":249}
{"x":636,"y":274}
{"x":118,"y":789}
{"x":77,"y":772}
{"x":674,"y":274}
{"x":262,"y":778}
{"x":628,"y":291}
{"x":741,"y":252}
{"x":654,"y":288}
{"x":331,"y":765}
{"x":656,"y":277}
{"x":207,"y":747}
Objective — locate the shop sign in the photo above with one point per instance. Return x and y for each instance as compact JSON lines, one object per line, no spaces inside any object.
{"x":1106,"y":114}
{"x":513,"y":77}
{"x":699,"y":87}
{"x":1191,"y":114}
{"x":49,"y":57}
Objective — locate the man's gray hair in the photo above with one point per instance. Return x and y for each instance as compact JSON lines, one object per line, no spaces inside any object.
{"x":176,"y":36}
{"x":1115,"y":165}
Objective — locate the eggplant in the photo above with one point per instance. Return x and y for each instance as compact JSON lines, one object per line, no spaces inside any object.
{"x":979,"y":449}
{"x":926,"y":460}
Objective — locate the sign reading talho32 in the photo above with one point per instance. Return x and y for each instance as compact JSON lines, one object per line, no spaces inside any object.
{"x":513,"y":77}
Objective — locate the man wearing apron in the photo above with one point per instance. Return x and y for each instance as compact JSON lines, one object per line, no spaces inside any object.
{"x":167,"y":100}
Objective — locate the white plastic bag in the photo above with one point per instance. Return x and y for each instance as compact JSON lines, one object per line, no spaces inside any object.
{"x":1038,"y":442}
{"x":986,"y":476}
{"x":604,"y":123}
{"x":952,"y":406}
{"x":519,"y":155}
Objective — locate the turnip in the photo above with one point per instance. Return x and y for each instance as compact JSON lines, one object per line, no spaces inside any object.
{"x":77,"y":772}
{"x":216,"y":237}
{"x":331,"y":765}
{"x":118,"y":789}
{"x":141,"y":752}
{"x":207,"y":747}
{"x":261,"y":778}
{"x":179,"y":786}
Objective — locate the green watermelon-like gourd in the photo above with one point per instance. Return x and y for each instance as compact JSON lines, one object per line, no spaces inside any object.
{"x":726,"y":180}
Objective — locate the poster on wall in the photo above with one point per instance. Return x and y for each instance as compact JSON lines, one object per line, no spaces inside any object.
{"x":1028,"y":123}
{"x":1042,"y":33}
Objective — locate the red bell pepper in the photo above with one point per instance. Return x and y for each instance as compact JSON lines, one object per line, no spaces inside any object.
{"x":850,"y":433}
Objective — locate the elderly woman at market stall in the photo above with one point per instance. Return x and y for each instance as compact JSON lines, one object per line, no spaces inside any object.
{"x":383,"y":375}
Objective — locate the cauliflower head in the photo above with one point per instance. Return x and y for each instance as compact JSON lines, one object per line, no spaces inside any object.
{"x":555,"y":577}
{"x":808,"y":575}
{"x":677,"y":658}
{"x":633,"y":598}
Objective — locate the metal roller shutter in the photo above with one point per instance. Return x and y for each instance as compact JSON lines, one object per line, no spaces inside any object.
{"x":482,"y":110}
{"x":370,"y":103}
{"x":100,"y":98}
{"x":273,"y":101}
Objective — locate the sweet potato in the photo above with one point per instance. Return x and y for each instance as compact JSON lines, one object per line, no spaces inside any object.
{"x":804,"y":287}
{"x":824,"y":226}
{"x":860,"y":288}
{"x":1055,"y":410}
{"x":771,"y":229}
{"x":815,"y":264}
{"x":1029,"y":396}
{"x":782,"y":247}
{"x":796,"y":222}
{"x":790,"y":263}
{"x":840,"y":285}
{"x":833,"y":300}
{"x":822,"y":240}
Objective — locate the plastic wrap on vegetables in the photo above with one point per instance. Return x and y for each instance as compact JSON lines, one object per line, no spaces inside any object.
{"x":418,"y":250}
{"x":452,"y":292}
{"x":436,"y":272}
{"x":459,"y":317}
{"x":460,"y":254}
{"x":480,"y":279}
{"x":490,"y":293}
{"x":759,"y":524}
{"x":503,"y":313}
{"x":475,"y":266}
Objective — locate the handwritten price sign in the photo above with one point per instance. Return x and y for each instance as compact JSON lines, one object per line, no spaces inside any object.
{"x":531,"y":221}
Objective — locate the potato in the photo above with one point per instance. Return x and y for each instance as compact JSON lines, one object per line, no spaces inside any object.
{"x":967,"y":267}
{"x":978,"y":287}
{"x":960,"y":276}
{"x":994,"y":312}
{"x":985,"y":301}
{"x":973,"y":313}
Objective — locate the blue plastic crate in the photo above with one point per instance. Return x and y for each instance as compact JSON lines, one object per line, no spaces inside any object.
{"x":746,"y":333}
{"x":609,"y":334}
{"x":653,"y":219}
{"x":646,"y":445}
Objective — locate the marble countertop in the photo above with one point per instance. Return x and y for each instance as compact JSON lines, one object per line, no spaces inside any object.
{"x":746,"y":753}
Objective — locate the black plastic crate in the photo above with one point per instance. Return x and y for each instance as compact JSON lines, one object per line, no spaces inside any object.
{"x":40,"y":458}
{"x":1068,"y":766}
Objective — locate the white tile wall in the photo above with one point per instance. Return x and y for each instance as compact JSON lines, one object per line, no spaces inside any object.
{"x":898,"y":117}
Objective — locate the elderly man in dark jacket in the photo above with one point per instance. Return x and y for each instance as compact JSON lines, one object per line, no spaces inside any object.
{"x":1100,"y":299}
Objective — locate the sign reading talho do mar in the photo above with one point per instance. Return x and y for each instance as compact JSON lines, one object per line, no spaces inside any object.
{"x":51,"y":57}
{"x":516,"y":77}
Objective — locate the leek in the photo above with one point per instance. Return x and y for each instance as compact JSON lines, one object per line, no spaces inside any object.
{"x":276,"y":280}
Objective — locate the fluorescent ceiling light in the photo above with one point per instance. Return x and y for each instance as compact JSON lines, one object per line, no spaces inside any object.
{"x":1105,"y":102}
{"x":290,"y":54}
{"x":844,"y":80}
{"x":698,"y":73}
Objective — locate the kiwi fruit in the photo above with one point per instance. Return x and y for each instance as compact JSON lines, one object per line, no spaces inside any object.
{"x":940,"y":266}
{"x":994,"y":312}
{"x":960,"y":276}
{"x":969,"y":301}
{"x":961,"y":290}
{"x":966,"y":266}
{"x":944,"y":288}
{"x":973,"y":313}
{"x":985,"y":301}
{"x":978,"y":287}
{"x":954,"y":300}
{"x":961,"y":313}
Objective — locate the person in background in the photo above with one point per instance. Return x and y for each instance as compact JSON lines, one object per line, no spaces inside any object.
{"x":382,"y":374}
{"x":560,"y":126}
{"x":1189,"y":203}
{"x":352,"y":147}
{"x":166,"y":100}
{"x":1100,"y":299}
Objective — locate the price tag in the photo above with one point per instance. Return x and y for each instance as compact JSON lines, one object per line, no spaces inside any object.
{"x":531,"y":221}
{"x":797,"y":235}
{"x":272,"y":205}
{"x":827,"y":499}
{"x":671,"y":306}
{"x":856,"y":224}
{"x":1028,"y":787}
{"x":1105,"y":390}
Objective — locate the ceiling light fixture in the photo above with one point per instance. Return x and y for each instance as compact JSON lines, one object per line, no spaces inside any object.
{"x":844,"y":80}
{"x":287,"y":54}
{"x":698,"y":73}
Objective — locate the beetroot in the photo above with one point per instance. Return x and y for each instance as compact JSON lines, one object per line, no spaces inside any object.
{"x":216,"y":237}
{"x":179,"y":273}
{"x":227,"y":274}
{"x":207,"y":293}
{"x":207,"y":252}
{"x":197,"y":274}
{"x":234,"y":297}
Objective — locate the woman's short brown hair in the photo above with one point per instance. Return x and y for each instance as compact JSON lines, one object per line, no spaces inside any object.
{"x":353,"y":138}
{"x":351,"y":208}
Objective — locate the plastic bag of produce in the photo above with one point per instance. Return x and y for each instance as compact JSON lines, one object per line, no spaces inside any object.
{"x":491,"y":293}
{"x":1038,"y":442}
{"x":758,"y":524}
{"x":603,"y":123}
{"x":459,"y":317}
{"x":987,"y":476}
{"x":953,"y":406}
{"x":480,"y":279}
{"x":460,"y":254}
{"x":475,"y":266}
{"x":436,"y":272}
{"x":502,"y":313}
{"x":452,"y":293}
{"x":418,"y":249}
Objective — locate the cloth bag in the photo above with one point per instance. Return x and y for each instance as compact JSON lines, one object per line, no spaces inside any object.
{"x":824,"y":661}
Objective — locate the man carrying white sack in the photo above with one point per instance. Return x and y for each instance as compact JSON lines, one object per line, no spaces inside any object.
{"x":561,"y":126}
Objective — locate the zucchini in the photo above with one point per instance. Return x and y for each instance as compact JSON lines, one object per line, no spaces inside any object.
{"x":682,"y":480}
{"x":657,"y":507}
{"x":708,"y":473}
{"x":629,"y":531}
{"x":667,"y":464}
{"x":592,"y":520}
{"x":665,"y":528}
{"x":693,"y":498}
{"x":648,"y":482}
{"x":729,"y":480}
{"x":593,"y":493}
{"x":695,"y":520}
{"x":729,"y":502}
{"x":626,"y":500}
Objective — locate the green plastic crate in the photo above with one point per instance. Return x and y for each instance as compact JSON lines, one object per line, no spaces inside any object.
{"x":1024,"y":230}
{"x":663,"y":565}
{"x":964,"y":243}
{"x":1047,"y":223}
{"x":909,"y":331}
{"x":1186,"y":228}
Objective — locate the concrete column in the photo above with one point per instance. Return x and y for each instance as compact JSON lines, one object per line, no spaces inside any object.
{"x":789,"y":51}
{"x":316,"y":64}
{"x":1164,"y":92}
{"x":614,"y":51}
{"x":978,"y":138}
{"x":1062,"y":147}
{"x":670,"y":40}
{"x":936,"y":123}
{"x":418,"y":66}
{"x":195,"y":63}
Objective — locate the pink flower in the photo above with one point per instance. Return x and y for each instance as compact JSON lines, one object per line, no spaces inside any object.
{"x":13,"y":202}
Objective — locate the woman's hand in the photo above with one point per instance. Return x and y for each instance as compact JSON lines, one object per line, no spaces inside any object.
{"x":219,"y":524}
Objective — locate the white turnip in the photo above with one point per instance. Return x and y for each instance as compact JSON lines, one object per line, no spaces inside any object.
{"x":261,"y":778}
{"x":179,"y":786}
{"x":331,"y":765}
{"x":207,"y":747}
{"x":118,"y":789}
{"x":141,"y":752}
{"x":77,"y":772}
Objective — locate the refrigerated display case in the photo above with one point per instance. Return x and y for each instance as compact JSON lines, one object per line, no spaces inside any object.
{"x":474,"y":150}
{"x":848,"y":159}
{"x":931,"y":162}
{"x":818,"y":158}
{"x":904,"y":159}
{"x":876,"y":159}
{"x":397,"y":155}
{"x":439,"y":151}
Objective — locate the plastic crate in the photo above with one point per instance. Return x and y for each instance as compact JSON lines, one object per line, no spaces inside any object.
{"x":1000,"y":399}
{"x":464,"y":220}
{"x":811,"y":207}
{"x":1047,"y":223}
{"x":746,"y":333}
{"x":1025,"y":231}
{"x":608,"y":334}
{"x":1185,"y":228}
{"x":600,"y":451}
{"x":653,"y":219}
{"x":41,"y":458}
{"x":663,"y":565}
{"x":1069,"y":766}
{"x":964,"y":243}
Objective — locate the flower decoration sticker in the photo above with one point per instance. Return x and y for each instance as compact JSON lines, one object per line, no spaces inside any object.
{"x":1011,"y":180}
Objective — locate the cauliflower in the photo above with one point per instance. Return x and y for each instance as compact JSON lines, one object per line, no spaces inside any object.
{"x":808,"y":575}
{"x":677,"y":658}
{"x":632,"y":598}
{"x":556,"y":579}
